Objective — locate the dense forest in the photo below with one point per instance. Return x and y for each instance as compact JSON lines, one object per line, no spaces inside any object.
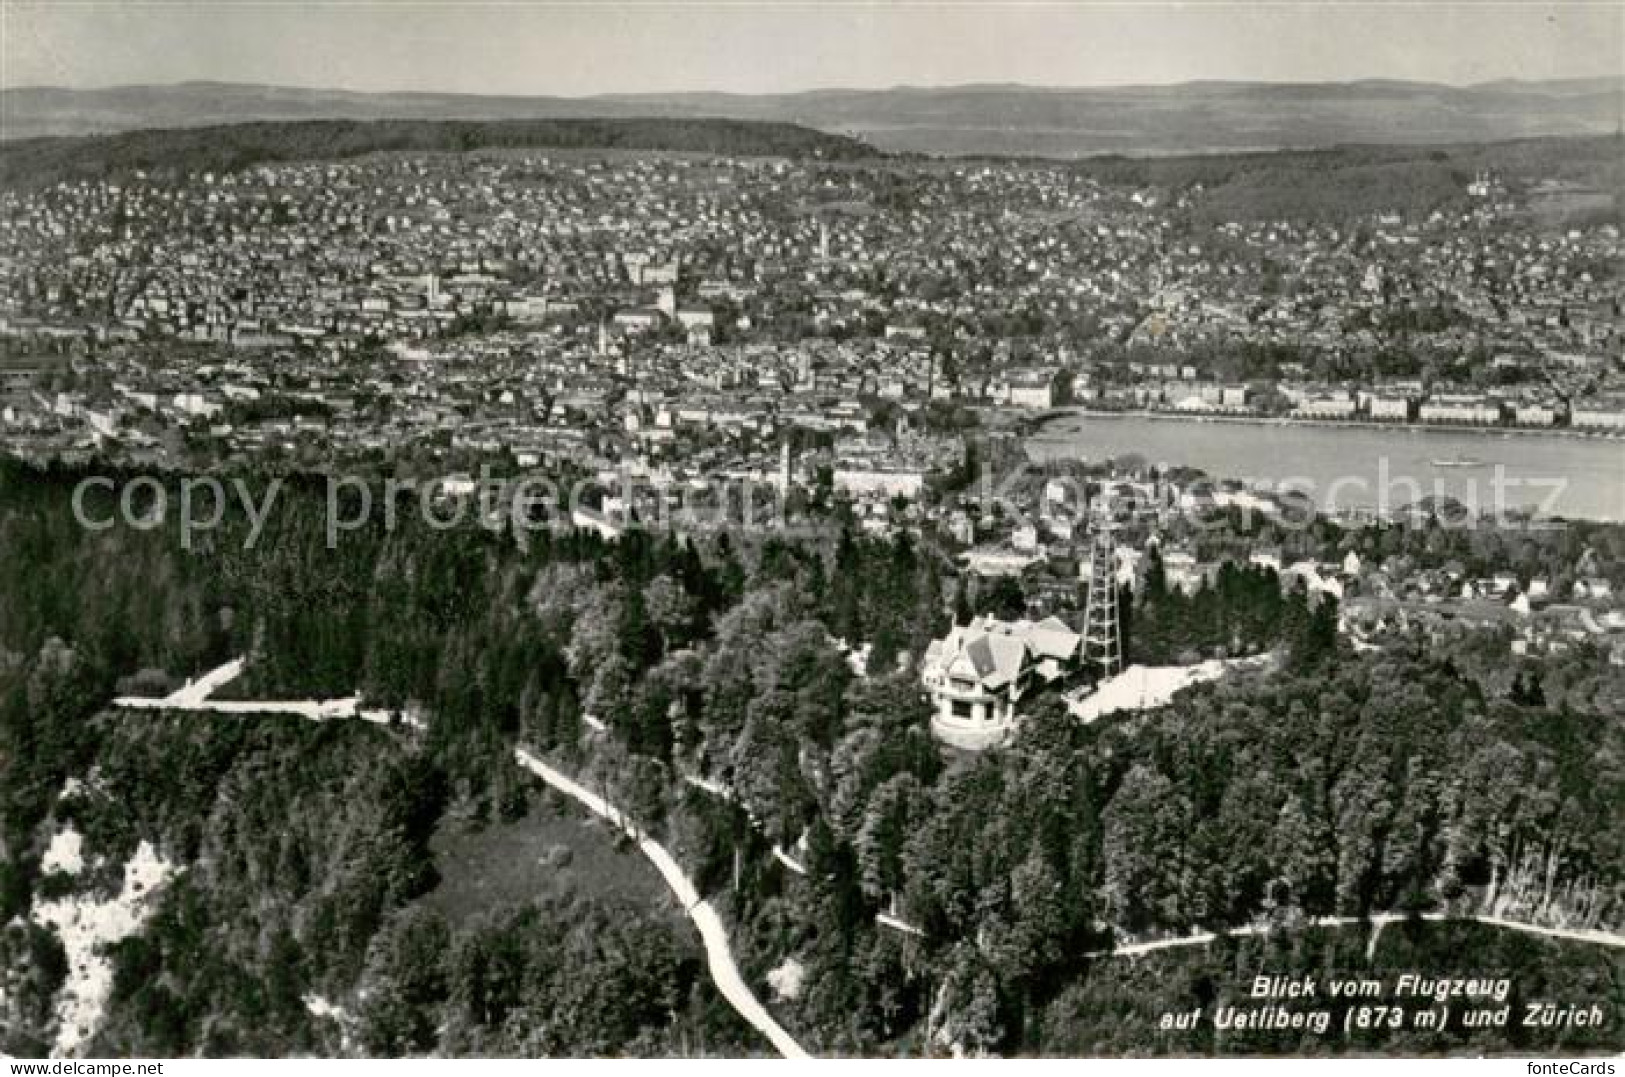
{"x":304,"y":867}
{"x":1335,"y":782}
{"x":231,"y":147}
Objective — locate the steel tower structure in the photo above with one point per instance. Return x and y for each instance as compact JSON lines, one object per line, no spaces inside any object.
{"x":1102,"y":632}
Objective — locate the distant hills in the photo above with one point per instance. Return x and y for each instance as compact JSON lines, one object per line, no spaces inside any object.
{"x":234,"y":146}
{"x":1198,"y":117}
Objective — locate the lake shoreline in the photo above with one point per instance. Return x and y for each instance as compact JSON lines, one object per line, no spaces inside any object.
{"x":1346,"y":465}
{"x":1041,"y":424}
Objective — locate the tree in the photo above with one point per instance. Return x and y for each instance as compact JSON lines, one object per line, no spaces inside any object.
{"x":962,"y":607}
{"x":968,"y":1013}
{"x":894,"y":811}
{"x":1004,"y":599}
{"x":406,"y":979}
{"x":1040,"y":920}
{"x":1147,"y":824}
{"x":1300,"y":850}
{"x":670,"y":611}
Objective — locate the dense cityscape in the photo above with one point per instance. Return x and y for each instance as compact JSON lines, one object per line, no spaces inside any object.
{"x":622,"y":309}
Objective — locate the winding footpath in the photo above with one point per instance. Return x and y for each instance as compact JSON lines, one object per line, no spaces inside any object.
{"x":1202,"y":938}
{"x":718,"y":955}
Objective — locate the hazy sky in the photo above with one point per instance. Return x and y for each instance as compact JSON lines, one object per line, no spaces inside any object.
{"x":765,"y":46}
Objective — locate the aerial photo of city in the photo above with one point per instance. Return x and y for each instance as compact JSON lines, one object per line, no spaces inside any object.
{"x":890,"y":530}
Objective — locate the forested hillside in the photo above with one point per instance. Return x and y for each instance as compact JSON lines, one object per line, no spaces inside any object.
{"x":1106,"y":1012}
{"x":1336,"y":782}
{"x":235,"y":146}
{"x":1345,"y":182}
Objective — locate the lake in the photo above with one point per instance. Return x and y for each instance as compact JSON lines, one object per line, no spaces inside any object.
{"x":1365,"y":467}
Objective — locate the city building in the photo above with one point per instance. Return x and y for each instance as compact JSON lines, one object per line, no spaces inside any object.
{"x":1328,"y":406}
{"x":889,"y":482}
{"x":1594,"y":415}
{"x":1393,"y":408}
{"x":1460,"y":408}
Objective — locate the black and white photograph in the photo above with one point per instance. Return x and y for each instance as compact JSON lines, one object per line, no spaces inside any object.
{"x":760,"y":529}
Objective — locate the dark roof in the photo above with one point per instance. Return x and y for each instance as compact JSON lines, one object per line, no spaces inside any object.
{"x":980,"y":652}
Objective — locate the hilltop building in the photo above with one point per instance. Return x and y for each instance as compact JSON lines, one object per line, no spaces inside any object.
{"x":979,"y":672}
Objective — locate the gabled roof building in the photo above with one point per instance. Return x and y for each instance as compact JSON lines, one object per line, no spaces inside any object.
{"x":979,"y":672}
